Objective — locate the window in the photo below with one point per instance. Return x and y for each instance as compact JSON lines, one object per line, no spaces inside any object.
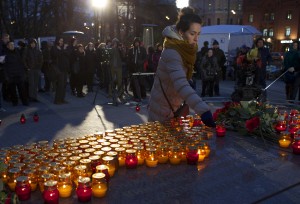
{"x":271,"y":32}
{"x":265,"y":32}
{"x":218,"y":21}
{"x":208,"y":22}
{"x":250,"y":19}
{"x":209,"y":7}
{"x":272,"y":16}
{"x":287,"y":31}
{"x":239,"y":7}
{"x":289,"y":15}
{"x":266,"y":17}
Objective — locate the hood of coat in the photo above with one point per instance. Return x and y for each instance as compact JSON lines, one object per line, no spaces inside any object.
{"x":171,"y":32}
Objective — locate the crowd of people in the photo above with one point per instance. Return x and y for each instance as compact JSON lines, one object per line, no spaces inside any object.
{"x":112,"y":64}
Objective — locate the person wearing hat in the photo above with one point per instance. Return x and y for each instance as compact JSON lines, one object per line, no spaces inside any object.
{"x":219,"y":54}
{"x":136,"y":57}
{"x":33,"y":61}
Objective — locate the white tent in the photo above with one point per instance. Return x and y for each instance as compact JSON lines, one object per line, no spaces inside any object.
{"x":230,"y":37}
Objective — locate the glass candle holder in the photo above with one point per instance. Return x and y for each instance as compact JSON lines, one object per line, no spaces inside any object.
{"x":76,"y":159}
{"x":4,"y":173}
{"x":56,"y":171}
{"x":183,"y":151}
{"x":131,"y":160}
{"x":51,"y":194}
{"x":84,"y":189}
{"x":140,"y":153}
{"x":114,"y":154}
{"x":296,"y":146}
{"x":281,"y":126}
{"x":285,"y":140}
{"x":201,"y":153}
{"x":151,"y":157}
{"x":88,"y":164}
{"x":65,"y":185}
{"x":121,"y":155}
{"x":42,"y":179}
{"x":192,"y":155}
{"x":13,"y":174}
{"x":109,"y":161}
{"x":95,"y":161}
{"x":23,"y":189}
{"x":32,"y":178}
{"x":175,"y":155}
{"x":103,"y":169}
{"x":220,"y":130}
{"x":79,"y":172}
{"x":99,"y":185}
{"x":162,"y":154}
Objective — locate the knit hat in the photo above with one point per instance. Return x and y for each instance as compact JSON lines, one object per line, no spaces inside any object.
{"x":215,"y":42}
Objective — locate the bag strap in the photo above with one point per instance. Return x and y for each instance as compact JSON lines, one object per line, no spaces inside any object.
{"x":165,"y":94}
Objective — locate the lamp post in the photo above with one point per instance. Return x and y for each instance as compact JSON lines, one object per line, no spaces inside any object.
{"x":182,"y":3}
{"x":99,"y":4}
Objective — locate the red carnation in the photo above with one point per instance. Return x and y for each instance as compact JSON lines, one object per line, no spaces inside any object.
{"x":216,"y":113}
{"x":252,"y":124}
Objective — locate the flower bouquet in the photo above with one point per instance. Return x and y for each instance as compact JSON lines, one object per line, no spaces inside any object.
{"x":249,"y":118}
{"x":6,"y":197}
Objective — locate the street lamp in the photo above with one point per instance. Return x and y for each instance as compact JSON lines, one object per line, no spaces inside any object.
{"x":182,"y":3}
{"x":99,"y":4}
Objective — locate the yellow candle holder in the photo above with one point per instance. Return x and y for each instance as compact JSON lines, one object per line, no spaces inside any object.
{"x":32,"y":178}
{"x":4,"y":173}
{"x":64,"y":185}
{"x":56,"y":171}
{"x":99,"y":185}
{"x":79,"y":172}
{"x":175,"y":155}
{"x":88,"y":164}
{"x":151,"y":157}
{"x":201,"y":153}
{"x":109,"y":161}
{"x":162,"y":154}
{"x":76,"y":159}
{"x":114,"y":154}
{"x":285,"y":140}
{"x":13,"y":174}
{"x":69,"y":166}
{"x":43,"y":170}
{"x":140,"y":154}
{"x":121,"y":156}
{"x":42,"y":179}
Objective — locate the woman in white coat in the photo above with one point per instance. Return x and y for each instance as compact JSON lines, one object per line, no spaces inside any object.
{"x":175,"y":69}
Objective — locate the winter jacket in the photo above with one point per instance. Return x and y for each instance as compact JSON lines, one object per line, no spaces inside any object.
{"x":291,"y":59}
{"x":32,"y":58}
{"x":13,"y":66}
{"x":136,"y":58}
{"x":209,"y":68}
{"x":175,"y":85}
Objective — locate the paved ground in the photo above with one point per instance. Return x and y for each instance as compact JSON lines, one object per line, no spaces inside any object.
{"x":240,"y":170}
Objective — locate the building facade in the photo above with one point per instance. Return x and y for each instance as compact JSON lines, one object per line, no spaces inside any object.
{"x":278,"y":20}
{"x":218,"y":12}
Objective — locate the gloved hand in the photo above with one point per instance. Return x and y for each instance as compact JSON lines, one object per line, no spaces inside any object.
{"x":207,"y":119}
{"x":291,"y":69}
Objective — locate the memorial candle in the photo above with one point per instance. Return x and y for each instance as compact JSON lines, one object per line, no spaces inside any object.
{"x":174,"y":155}
{"x":296,"y":146}
{"x":103,"y":169}
{"x":192,"y":155}
{"x":84,"y":190}
{"x":151,"y":158}
{"x":99,"y":185}
{"x":220,"y":131}
{"x":13,"y":174}
{"x":131,"y":160}
{"x":285,"y":140}
{"x":281,"y":126}
{"x":50,"y":194}
{"x":65,"y":185}
{"x":23,"y":189}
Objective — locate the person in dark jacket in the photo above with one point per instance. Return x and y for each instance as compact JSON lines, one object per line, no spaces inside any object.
{"x":15,"y":74}
{"x":219,"y":54}
{"x":4,"y":93}
{"x":136,"y":57}
{"x":91,"y":65}
{"x":292,"y":78}
{"x":72,"y":49}
{"x":60,"y":62}
{"x":78,"y":60}
{"x":209,"y":69}
{"x":33,"y":61}
{"x":46,"y":65}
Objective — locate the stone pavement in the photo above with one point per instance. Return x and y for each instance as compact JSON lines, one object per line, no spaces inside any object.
{"x":239,"y":170}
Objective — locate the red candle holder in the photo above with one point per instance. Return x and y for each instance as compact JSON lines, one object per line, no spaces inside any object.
{"x":50,"y":194}
{"x":192,"y":155}
{"x":293,"y":129}
{"x":131,"y":160}
{"x":84,"y":189}
{"x":23,"y":189}
{"x":220,"y":131}
{"x":103,"y":169}
{"x":36,"y":117}
{"x":294,"y":112}
{"x":22,"y":119}
{"x":296,"y":146}
{"x":281,"y":126}
{"x":137,"y":108}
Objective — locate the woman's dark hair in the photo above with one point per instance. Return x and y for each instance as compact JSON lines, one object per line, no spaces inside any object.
{"x":209,"y":50}
{"x":57,"y":38}
{"x":259,"y":39}
{"x":186,"y":17}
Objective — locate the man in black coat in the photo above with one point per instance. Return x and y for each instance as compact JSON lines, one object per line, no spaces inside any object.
{"x":219,"y":54}
{"x":136,"y":57}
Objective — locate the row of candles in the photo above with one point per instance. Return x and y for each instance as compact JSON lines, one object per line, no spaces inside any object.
{"x":288,"y":127}
{"x":89,"y":162}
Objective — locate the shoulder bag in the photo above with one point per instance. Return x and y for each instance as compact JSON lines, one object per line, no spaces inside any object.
{"x":182,"y":111}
